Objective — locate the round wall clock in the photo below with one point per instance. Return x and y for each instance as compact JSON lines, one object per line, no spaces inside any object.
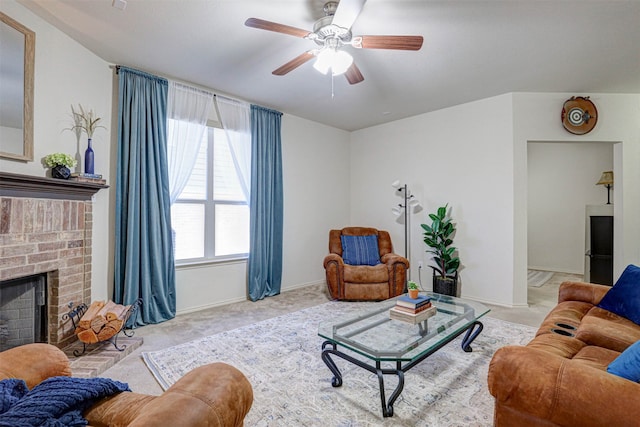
{"x":579,"y":115}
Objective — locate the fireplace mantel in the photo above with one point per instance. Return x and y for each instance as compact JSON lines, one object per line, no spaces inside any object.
{"x":46,"y":227}
{"x":16,"y":185}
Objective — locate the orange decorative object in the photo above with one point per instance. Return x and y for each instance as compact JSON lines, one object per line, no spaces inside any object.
{"x":579,"y":115}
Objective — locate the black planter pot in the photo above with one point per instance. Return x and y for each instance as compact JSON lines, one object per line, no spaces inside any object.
{"x":445,"y":285}
{"x":60,"y":172}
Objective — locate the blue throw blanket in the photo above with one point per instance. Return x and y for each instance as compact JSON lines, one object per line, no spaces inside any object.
{"x":55,"y":402}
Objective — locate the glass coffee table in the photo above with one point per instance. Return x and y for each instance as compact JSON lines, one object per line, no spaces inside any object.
{"x":397,"y":344}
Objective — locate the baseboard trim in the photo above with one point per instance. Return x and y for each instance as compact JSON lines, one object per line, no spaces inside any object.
{"x":555,"y":270}
{"x":497,"y":304}
{"x":303,"y":285}
{"x":212,"y":305}
{"x":240,"y":299}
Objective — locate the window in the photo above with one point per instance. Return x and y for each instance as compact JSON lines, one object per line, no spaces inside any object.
{"x":210,"y":218}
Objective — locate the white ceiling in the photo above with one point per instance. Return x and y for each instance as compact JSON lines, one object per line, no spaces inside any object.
{"x":472,"y":50}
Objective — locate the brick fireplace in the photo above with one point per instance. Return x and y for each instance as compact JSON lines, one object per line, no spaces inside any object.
{"x":46,"y":228}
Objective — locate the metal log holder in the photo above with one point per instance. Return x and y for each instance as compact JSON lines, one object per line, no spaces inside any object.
{"x":75,"y":314}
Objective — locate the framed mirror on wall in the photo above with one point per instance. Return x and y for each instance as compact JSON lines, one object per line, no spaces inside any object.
{"x":17,"y":57}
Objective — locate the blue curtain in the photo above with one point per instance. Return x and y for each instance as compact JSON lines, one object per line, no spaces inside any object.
{"x":265,"y":207}
{"x":144,"y":266}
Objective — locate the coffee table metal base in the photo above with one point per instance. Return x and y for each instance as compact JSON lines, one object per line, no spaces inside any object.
{"x":330,"y":348}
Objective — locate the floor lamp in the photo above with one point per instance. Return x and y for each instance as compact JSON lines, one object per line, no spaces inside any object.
{"x":402,"y":213}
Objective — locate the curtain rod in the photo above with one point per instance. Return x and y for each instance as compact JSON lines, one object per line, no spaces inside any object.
{"x":117,"y":68}
{"x":191,"y":85}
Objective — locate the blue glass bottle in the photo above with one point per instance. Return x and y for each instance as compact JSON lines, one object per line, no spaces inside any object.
{"x":88,"y":158}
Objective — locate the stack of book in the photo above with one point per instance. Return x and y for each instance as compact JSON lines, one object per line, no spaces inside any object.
{"x":88,"y":177}
{"x":412,"y":310}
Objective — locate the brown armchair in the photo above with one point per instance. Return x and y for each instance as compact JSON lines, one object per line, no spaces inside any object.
{"x":364,"y":282}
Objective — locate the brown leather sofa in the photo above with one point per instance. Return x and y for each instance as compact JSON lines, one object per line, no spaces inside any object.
{"x":212,"y":395}
{"x":560,"y":378}
{"x":364,"y":282}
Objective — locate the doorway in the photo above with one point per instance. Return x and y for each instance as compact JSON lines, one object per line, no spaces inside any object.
{"x":561,"y":183}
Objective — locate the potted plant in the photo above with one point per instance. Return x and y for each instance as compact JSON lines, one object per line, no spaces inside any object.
{"x":60,"y":164}
{"x":439,"y":237}
{"x":413,"y":289}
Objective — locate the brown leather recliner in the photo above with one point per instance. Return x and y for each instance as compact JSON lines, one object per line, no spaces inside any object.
{"x":364,"y":282}
{"x":216,"y":394}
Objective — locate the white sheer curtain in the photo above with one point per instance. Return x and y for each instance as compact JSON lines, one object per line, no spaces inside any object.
{"x":235,"y":117}
{"x":187,"y":112}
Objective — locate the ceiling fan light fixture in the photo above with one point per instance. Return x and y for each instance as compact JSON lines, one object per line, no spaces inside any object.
{"x":337,"y":61}
{"x":324,"y":60}
{"x":341,"y":62}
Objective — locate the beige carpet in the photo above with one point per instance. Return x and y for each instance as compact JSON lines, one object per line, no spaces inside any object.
{"x":292,"y":386}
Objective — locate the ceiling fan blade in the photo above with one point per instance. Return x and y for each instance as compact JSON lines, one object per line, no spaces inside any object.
{"x":388,"y":42}
{"x":347,"y":12}
{"x":261,"y":24}
{"x":293,"y":64}
{"x":353,"y":74}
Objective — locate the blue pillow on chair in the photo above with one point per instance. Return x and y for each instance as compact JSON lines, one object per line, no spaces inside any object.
{"x":360,"y":250}
{"x":624,"y":298}
{"x":627,"y":365}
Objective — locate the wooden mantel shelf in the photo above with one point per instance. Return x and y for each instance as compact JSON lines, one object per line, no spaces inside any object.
{"x":16,"y":185}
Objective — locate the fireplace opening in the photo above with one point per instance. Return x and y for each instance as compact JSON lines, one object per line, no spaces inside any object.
{"x":23,"y":311}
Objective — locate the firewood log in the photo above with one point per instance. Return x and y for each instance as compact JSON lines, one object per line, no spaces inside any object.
{"x":106,"y":308}
{"x":116,"y":324}
{"x":106,"y":332}
{"x":117,"y":312}
{"x":94,"y":308}
{"x":88,"y":336}
{"x":97,"y":323}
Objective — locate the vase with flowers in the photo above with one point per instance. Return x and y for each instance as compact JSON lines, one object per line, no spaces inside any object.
{"x":86,"y":121}
{"x":60,"y":164}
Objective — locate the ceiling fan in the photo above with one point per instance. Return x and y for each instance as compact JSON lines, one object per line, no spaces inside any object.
{"x":331,"y":33}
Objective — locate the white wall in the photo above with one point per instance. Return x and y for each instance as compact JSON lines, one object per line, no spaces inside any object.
{"x":316,"y":178}
{"x":562,"y":177}
{"x":461,"y":156}
{"x":316,"y":174}
{"x":474,"y":157}
{"x":66,"y":73}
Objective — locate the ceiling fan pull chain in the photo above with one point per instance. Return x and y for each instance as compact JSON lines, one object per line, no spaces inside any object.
{"x":332,"y":94}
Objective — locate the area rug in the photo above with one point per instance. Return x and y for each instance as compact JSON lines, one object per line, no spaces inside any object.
{"x":292,"y":386}
{"x":537,"y":278}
